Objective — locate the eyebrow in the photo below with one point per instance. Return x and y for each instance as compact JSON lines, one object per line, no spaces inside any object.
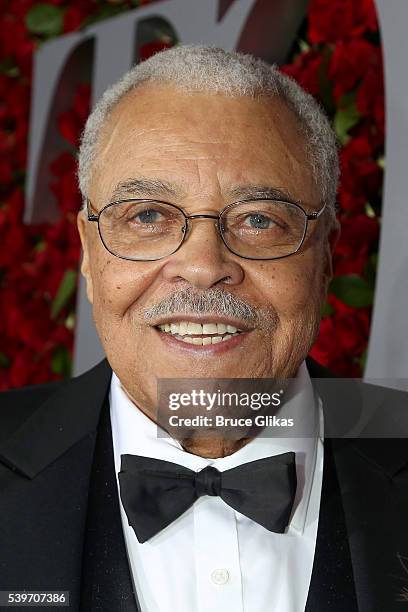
{"x":144,"y":187}
{"x":256,"y":192}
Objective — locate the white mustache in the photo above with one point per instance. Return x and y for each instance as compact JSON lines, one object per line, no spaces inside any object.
{"x":212,"y":301}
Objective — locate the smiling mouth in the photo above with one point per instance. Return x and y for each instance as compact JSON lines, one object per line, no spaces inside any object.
{"x":200,"y":334}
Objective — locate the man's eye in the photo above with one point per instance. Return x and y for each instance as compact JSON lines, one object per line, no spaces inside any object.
{"x":259,"y":221}
{"x":147,"y":216}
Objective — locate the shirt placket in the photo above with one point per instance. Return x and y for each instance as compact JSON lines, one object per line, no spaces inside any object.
{"x":217,"y":563}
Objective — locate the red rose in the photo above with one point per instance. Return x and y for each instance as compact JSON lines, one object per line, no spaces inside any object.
{"x":341,"y":356}
{"x":360,"y":172}
{"x":358,"y":236}
{"x":305,"y":70}
{"x":370,"y":98}
{"x":27,"y":367}
{"x":333,"y":20}
{"x":351,"y":265}
{"x":323,"y":347}
{"x":351,"y":202}
{"x":15,"y":207}
{"x":13,"y":245}
{"x":62,"y":336}
{"x":349,"y":64}
{"x":67,"y":193}
{"x":73,"y":19}
{"x":15,"y":40}
{"x":6,"y":171}
{"x":34,"y":325}
{"x":352,"y":331}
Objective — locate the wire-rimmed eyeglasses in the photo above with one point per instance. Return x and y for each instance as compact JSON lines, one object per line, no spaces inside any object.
{"x":148,"y":230}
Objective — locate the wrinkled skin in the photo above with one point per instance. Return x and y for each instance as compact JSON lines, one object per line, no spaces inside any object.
{"x":205,"y":145}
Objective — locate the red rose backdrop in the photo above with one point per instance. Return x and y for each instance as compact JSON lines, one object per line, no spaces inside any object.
{"x":337,"y":58}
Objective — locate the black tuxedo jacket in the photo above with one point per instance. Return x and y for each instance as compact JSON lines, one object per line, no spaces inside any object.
{"x":60,"y":526}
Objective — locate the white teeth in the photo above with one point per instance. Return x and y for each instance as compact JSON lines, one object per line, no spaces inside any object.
{"x":194,"y":328}
{"x":209,"y":328}
{"x":204,"y":340}
{"x":183,"y":328}
{"x":211,"y":333}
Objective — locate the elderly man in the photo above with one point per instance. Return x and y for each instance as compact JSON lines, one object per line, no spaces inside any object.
{"x":208,"y":225}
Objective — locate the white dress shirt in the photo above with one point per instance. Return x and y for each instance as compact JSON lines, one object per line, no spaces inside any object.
{"x":212,"y":558}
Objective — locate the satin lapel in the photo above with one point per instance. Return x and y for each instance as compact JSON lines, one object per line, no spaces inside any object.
{"x":61,"y":421}
{"x":332,"y":583}
{"x":44,"y":495}
{"x":106,"y":579}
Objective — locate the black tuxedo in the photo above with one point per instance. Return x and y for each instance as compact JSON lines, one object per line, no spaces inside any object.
{"x":60,"y":527}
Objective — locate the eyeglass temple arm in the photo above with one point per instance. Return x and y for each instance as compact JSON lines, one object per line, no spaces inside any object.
{"x":315,"y":215}
{"x":91,"y":217}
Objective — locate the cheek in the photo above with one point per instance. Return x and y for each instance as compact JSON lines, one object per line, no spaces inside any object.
{"x":118,"y":286}
{"x":293,"y":287}
{"x":302,"y":291}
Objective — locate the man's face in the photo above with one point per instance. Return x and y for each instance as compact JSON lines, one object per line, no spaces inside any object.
{"x":204,"y":148}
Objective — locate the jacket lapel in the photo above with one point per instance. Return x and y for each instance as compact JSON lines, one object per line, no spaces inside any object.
{"x":106,"y":579}
{"x":67,"y":416}
{"x":332,"y":582}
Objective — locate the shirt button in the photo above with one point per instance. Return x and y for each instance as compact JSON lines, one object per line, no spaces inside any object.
{"x":220,"y":576}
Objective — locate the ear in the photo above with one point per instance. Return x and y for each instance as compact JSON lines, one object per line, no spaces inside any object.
{"x":82,"y":224}
{"x":331,"y":239}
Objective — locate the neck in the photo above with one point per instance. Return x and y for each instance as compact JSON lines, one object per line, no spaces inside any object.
{"x":212,"y":448}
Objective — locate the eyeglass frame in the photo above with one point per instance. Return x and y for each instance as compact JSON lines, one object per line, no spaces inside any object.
{"x":314,"y":216}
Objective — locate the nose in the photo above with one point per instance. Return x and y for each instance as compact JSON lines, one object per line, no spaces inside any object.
{"x":203,"y":260}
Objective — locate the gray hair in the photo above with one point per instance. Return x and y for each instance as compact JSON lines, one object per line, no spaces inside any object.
{"x":210,"y":69}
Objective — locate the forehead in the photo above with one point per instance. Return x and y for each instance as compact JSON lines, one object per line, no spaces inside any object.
{"x":202,"y":143}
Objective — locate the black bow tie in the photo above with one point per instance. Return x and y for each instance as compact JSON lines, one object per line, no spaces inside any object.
{"x":154,"y":492}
